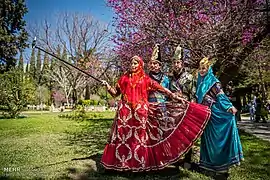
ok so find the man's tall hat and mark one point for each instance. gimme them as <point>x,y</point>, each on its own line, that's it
<point>156,54</point>
<point>178,54</point>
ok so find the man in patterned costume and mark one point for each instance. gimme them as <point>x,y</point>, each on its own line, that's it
<point>182,83</point>
<point>156,74</point>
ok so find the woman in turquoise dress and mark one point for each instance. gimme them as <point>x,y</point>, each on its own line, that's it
<point>220,142</point>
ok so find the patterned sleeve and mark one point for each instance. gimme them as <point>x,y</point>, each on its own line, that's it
<point>217,89</point>
<point>221,98</point>
<point>193,89</point>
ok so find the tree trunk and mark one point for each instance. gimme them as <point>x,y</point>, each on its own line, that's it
<point>67,102</point>
<point>245,100</point>
<point>74,96</point>
<point>87,92</point>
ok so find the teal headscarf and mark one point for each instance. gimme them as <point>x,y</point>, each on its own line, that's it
<point>205,84</point>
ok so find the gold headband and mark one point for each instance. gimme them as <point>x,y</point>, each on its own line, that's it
<point>205,61</point>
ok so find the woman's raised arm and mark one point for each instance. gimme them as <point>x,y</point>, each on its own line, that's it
<point>114,91</point>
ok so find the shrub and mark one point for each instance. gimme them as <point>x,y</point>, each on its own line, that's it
<point>78,114</point>
<point>17,90</point>
<point>86,102</point>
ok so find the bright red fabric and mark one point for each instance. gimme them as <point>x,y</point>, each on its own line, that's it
<point>150,136</point>
<point>134,87</point>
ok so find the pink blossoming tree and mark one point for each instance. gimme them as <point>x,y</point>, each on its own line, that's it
<point>227,30</point>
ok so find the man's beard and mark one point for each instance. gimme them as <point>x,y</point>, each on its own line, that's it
<point>177,72</point>
<point>155,72</point>
<point>157,76</point>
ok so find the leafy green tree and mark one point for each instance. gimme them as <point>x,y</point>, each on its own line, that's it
<point>38,68</point>
<point>20,65</point>
<point>64,54</point>
<point>27,68</point>
<point>13,35</point>
<point>53,67</point>
<point>45,70</point>
<point>16,92</point>
<point>42,95</point>
<point>32,68</point>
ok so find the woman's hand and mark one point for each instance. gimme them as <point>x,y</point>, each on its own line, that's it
<point>113,91</point>
<point>105,83</point>
<point>175,96</point>
<point>233,110</point>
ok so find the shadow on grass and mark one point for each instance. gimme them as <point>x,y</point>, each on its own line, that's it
<point>255,125</point>
<point>92,136</point>
<point>8,117</point>
<point>6,177</point>
<point>14,178</point>
<point>96,171</point>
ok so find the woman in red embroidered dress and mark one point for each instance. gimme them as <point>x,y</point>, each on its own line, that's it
<point>143,137</point>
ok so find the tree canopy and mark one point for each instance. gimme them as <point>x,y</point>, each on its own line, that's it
<point>225,30</point>
<point>13,35</point>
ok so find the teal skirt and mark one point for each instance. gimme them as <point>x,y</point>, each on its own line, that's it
<point>220,142</point>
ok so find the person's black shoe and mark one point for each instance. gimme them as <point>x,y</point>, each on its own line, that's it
<point>195,167</point>
<point>179,163</point>
<point>222,176</point>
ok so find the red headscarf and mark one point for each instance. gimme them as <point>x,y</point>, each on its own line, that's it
<point>139,72</point>
<point>134,85</point>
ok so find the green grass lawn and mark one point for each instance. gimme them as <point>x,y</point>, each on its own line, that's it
<point>44,146</point>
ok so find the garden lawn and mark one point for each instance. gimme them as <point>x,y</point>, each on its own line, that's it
<point>44,146</point>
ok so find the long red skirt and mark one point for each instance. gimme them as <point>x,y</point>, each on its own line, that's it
<point>152,136</point>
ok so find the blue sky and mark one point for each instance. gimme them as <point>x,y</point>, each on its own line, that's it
<point>39,10</point>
